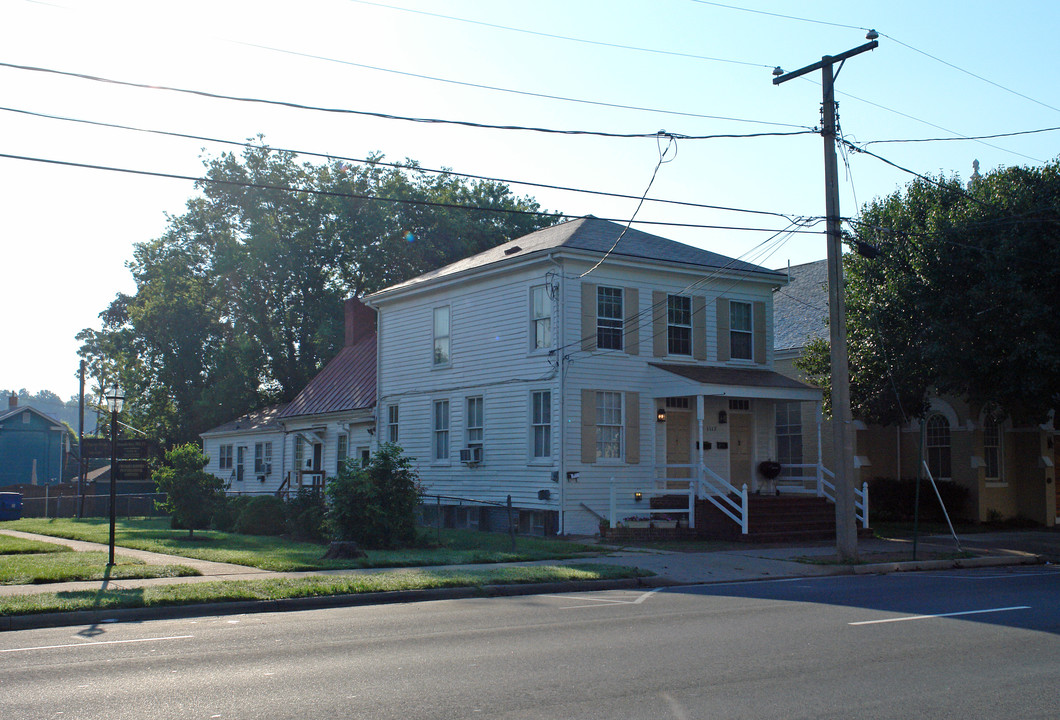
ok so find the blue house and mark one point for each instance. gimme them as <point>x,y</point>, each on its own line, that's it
<point>31,446</point>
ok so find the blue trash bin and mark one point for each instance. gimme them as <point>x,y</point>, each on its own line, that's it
<point>10,506</point>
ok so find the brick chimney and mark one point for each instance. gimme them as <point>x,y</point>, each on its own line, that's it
<point>12,402</point>
<point>360,320</point>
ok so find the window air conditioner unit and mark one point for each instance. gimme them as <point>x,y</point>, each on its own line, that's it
<point>471,455</point>
<point>268,468</point>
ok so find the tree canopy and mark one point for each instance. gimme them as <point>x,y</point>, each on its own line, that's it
<point>962,299</point>
<point>239,303</point>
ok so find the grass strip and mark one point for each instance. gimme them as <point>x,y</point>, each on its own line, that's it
<point>315,586</point>
<point>457,547</point>
<point>70,566</point>
<point>10,545</point>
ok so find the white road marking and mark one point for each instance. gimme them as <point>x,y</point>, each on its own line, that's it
<point>940,615</point>
<point>101,642</point>
<point>609,601</point>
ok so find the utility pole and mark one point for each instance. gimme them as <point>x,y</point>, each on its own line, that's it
<point>846,533</point>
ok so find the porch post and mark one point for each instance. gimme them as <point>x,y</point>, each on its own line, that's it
<point>820,458</point>
<point>699,422</point>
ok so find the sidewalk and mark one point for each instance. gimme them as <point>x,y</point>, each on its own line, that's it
<point>745,564</point>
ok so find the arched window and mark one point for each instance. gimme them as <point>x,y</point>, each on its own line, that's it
<point>938,447</point>
<point>992,448</point>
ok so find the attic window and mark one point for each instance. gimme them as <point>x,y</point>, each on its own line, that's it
<point>512,250</point>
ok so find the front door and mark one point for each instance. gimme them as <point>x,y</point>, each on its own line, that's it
<point>678,447</point>
<point>241,454</point>
<point>741,448</point>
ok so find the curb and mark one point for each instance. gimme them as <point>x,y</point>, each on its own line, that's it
<point>240,607</point>
<point>953,564</point>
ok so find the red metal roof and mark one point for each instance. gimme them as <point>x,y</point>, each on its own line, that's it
<point>345,383</point>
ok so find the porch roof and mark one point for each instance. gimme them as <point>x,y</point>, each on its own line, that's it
<point>674,380</point>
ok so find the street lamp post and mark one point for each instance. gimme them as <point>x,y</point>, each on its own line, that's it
<point>115,399</point>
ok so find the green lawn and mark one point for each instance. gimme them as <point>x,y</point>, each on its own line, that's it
<point>67,566</point>
<point>280,588</point>
<point>17,546</point>
<point>279,554</point>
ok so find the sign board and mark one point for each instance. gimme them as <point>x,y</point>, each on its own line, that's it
<point>95,448</point>
<point>133,470</point>
<point>133,448</point>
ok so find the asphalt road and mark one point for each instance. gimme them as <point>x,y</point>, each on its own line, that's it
<point>957,644</point>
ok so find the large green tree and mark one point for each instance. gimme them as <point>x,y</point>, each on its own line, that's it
<point>239,303</point>
<point>962,299</point>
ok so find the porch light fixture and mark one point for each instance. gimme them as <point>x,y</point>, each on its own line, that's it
<point>638,496</point>
<point>660,414</point>
<point>723,417</point>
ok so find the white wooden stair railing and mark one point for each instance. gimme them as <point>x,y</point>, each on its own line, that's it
<point>826,489</point>
<point>719,492</point>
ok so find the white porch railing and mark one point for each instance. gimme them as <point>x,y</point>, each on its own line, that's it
<point>706,484</point>
<point>826,489</point>
<point>690,510</point>
<point>719,492</point>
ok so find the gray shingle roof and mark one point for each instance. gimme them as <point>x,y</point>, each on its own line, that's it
<point>264,419</point>
<point>800,308</point>
<point>593,235</point>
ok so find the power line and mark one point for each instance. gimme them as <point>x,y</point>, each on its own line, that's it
<point>967,137</point>
<point>889,37</point>
<point>779,15</point>
<point>930,124</point>
<point>972,74</point>
<point>397,166</point>
<point>925,178</point>
<point>359,196</point>
<point>387,116</point>
<point>599,43</point>
<point>517,92</point>
<point>640,203</point>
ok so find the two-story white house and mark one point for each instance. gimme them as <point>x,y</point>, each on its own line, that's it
<point>579,370</point>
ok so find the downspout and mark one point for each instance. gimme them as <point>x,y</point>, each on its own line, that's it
<point>557,336</point>
<point>376,438</point>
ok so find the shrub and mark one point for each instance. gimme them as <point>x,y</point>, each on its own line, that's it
<point>227,512</point>
<point>375,506</point>
<point>192,494</point>
<point>895,500</point>
<point>305,516</point>
<point>263,515</point>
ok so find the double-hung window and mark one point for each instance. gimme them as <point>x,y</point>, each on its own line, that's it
<point>992,449</point>
<point>609,425</point>
<point>741,338</point>
<point>540,318</point>
<point>789,436</point>
<point>938,447</point>
<point>441,336</point>
<point>541,423</point>
<point>224,460</point>
<point>441,430</point>
<point>678,325</point>
<point>262,458</point>
<point>609,318</point>
<point>474,425</point>
<point>392,424</point>
<point>342,449</point>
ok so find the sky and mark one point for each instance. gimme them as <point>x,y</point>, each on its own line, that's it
<point>689,68</point>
